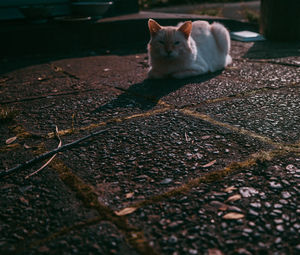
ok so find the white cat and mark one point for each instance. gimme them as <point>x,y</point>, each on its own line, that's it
<point>190,49</point>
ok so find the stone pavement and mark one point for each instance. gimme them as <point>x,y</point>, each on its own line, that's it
<point>207,165</point>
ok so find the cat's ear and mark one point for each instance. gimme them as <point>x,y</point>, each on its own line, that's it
<point>154,27</point>
<point>186,29</point>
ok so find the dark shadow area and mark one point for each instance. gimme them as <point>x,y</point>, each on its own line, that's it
<point>11,63</point>
<point>25,44</point>
<point>146,95</point>
<point>269,50</point>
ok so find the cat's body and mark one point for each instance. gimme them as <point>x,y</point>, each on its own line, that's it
<point>190,49</point>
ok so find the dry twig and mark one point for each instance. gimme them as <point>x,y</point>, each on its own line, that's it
<point>48,162</point>
<point>48,154</point>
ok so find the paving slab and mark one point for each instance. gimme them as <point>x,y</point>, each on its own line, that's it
<point>129,73</point>
<point>36,80</point>
<point>288,52</point>
<point>100,238</point>
<point>274,114</point>
<point>79,109</point>
<point>148,156</point>
<point>170,150</point>
<point>267,198</point>
<point>32,209</point>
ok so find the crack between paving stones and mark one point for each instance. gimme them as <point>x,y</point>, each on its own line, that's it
<point>21,133</point>
<point>61,232</point>
<point>133,236</point>
<point>111,121</point>
<point>86,193</point>
<point>265,61</point>
<point>59,69</point>
<point>281,146</point>
<point>239,95</point>
<point>238,130</point>
<point>51,95</point>
<point>217,175</point>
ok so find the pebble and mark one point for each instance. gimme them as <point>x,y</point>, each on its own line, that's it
<point>234,209</point>
<point>255,205</point>
<point>251,224</point>
<point>277,211</point>
<point>278,240</point>
<point>291,168</point>
<point>248,191</point>
<point>268,226</point>
<point>296,226</point>
<point>224,225</point>
<point>247,230</point>
<point>193,251</point>
<point>283,201</point>
<point>275,185</point>
<point>285,182</point>
<point>175,224</point>
<point>285,217</point>
<point>278,206</point>
<point>278,221</point>
<point>166,181</point>
<point>172,239</point>
<point>280,228</point>
<point>268,204</point>
<point>253,213</point>
<point>285,194</point>
<point>243,251</point>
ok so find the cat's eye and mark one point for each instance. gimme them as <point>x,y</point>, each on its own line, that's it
<point>176,43</point>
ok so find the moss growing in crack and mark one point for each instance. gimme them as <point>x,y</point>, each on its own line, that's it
<point>88,196</point>
<point>7,115</point>
<point>256,159</point>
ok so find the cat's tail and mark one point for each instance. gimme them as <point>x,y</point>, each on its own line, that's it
<point>222,37</point>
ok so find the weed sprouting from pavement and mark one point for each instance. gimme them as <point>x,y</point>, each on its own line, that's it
<point>7,115</point>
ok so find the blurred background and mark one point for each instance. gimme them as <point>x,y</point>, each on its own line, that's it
<point>47,9</point>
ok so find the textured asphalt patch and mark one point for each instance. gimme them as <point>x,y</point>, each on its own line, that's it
<point>32,209</point>
<point>78,110</point>
<point>100,238</point>
<point>193,223</point>
<point>147,156</point>
<point>274,114</point>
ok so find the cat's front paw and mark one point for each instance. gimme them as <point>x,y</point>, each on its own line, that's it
<point>185,74</point>
<point>154,75</point>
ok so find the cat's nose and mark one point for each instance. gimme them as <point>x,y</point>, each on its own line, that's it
<point>169,52</point>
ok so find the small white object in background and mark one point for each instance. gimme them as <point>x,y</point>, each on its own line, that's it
<point>246,36</point>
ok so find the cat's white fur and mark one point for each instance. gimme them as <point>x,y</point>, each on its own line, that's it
<point>189,49</point>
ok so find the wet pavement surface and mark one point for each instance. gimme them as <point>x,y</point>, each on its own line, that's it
<point>207,165</point>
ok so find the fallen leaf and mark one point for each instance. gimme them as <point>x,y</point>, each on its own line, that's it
<point>215,251</point>
<point>126,211</point>
<point>205,137</point>
<point>223,207</point>
<point>57,69</point>
<point>233,216</point>
<point>187,138</point>
<point>209,164</point>
<point>129,195</point>
<point>230,189</point>
<point>11,140</point>
<point>26,146</point>
<point>24,200</point>
<point>234,198</point>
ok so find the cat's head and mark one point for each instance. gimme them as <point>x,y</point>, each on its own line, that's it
<point>169,42</point>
